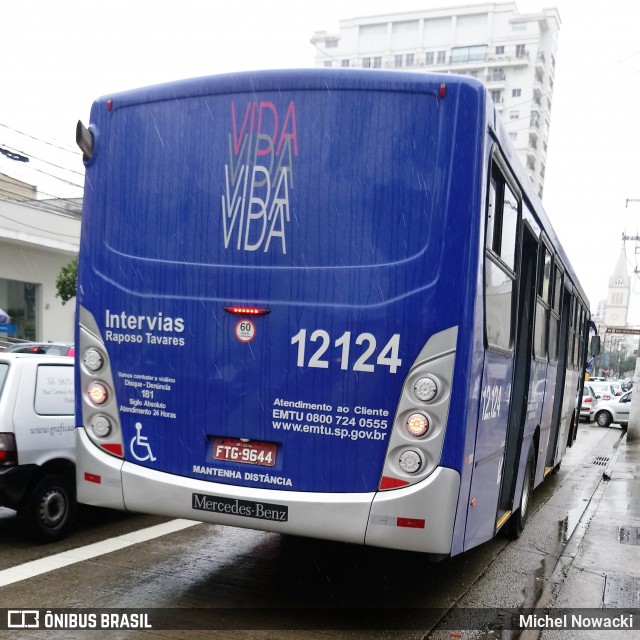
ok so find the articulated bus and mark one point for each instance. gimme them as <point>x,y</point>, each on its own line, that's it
<point>325,303</point>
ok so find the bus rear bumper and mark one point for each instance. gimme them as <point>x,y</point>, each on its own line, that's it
<point>418,518</point>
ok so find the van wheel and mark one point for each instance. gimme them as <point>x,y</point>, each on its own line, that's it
<point>49,512</point>
<point>520,517</point>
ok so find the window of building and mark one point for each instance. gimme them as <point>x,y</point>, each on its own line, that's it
<point>469,54</point>
<point>345,63</point>
<point>500,50</point>
<point>430,57</point>
<point>442,57</point>
<point>377,62</point>
<point>496,96</point>
<point>410,59</point>
<point>513,136</point>
<point>328,63</point>
<point>519,26</point>
<point>20,301</point>
<point>496,75</point>
<point>514,115</point>
<point>516,93</point>
<point>366,63</point>
<point>397,61</point>
<point>331,43</point>
<point>521,51</point>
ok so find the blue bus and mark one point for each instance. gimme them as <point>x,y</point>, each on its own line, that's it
<point>321,302</point>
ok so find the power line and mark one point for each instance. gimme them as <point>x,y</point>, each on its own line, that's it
<point>34,157</point>
<point>51,144</point>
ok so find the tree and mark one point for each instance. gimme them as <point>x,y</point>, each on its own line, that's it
<point>67,281</point>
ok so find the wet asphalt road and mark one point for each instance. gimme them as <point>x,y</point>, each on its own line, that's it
<point>206,566</point>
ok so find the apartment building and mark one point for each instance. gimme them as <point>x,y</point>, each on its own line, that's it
<point>514,54</point>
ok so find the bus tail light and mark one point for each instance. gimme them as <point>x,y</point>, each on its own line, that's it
<point>247,311</point>
<point>417,424</point>
<point>411,461</point>
<point>100,408</point>
<point>97,393</point>
<point>415,442</point>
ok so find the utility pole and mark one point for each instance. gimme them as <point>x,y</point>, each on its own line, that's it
<point>633,429</point>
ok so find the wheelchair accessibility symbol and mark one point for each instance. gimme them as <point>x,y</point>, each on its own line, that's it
<point>140,447</point>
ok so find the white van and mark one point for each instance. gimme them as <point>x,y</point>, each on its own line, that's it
<point>37,442</point>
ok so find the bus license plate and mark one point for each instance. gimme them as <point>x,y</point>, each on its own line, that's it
<point>233,450</point>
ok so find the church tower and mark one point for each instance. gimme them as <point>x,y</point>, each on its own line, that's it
<point>619,292</point>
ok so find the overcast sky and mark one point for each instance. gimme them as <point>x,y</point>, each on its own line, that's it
<point>56,57</point>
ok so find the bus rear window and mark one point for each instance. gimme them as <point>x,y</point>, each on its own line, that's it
<point>298,180</point>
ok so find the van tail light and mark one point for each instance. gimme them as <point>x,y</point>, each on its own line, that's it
<point>8,450</point>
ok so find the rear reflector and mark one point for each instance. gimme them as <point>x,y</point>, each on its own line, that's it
<point>115,449</point>
<point>411,523</point>
<point>92,477</point>
<point>247,311</point>
<point>388,482</point>
<point>397,521</point>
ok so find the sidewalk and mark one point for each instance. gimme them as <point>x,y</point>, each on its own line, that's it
<point>601,567</point>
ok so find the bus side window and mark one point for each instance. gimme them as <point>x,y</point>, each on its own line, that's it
<point>543,301</point>
<point>554,316</point>
<point>500,251</point>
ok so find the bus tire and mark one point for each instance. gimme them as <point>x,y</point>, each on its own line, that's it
<point>49,511</point>
<point>519,518</point>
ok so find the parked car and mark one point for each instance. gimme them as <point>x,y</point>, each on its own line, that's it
<point>40,348</point>
<point>617,388</point>
<point>597,379</point>
<point>603,390</point>
<point>37,442</point>
<point>614,410</point>
<point>588,403</point>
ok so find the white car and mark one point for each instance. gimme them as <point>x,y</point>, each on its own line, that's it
<point>603,390</point>
<point>588,404</point>
<point>37,442</point>
<point>614,410</point>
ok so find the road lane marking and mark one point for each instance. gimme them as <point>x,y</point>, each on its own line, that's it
<point>65,558</point>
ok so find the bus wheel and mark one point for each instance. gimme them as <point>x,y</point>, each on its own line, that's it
<point>520,517</point>
<point>49,511</point>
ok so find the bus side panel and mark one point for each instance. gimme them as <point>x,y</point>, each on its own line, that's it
<point>568,410</point>
<point>535,410</point>
<point>490,446</point>
<point>545,422</point>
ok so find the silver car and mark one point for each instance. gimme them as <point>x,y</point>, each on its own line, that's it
<point>588,404</point>
<point>614,410</point>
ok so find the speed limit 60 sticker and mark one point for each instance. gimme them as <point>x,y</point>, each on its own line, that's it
<point>245,331</point>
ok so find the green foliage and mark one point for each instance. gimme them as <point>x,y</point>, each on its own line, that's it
<point>67,281</point>
<point>628,366</point>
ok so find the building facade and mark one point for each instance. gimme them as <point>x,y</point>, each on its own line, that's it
<point>513,54</point>
<point>37,239</point>
<point>619,292</point>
